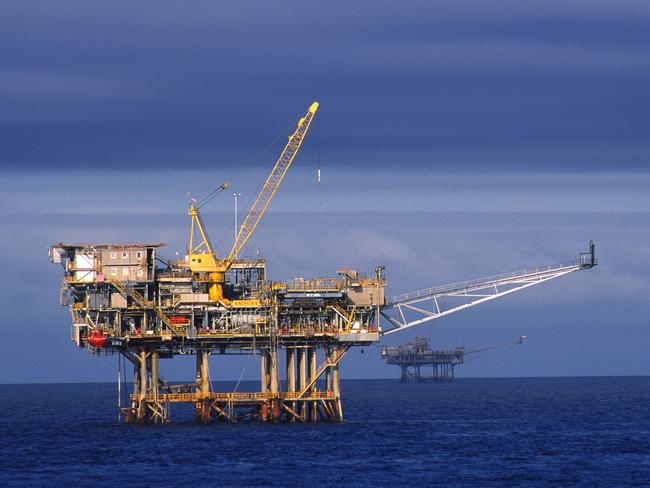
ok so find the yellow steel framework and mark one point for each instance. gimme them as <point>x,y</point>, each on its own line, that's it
<point>271,184</point>
<point>202,257</point>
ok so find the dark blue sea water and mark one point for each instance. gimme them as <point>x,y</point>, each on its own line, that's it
<point>475,432</point>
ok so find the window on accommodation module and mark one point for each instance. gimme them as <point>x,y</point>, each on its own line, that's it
<point>125,271</point>
<point>113,255</point>
<point>113,271</point>
<point>138,254</point>
<point>125,255</point>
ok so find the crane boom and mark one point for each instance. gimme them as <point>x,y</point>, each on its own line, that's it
<point>418,307</point>
<point>271,185</point>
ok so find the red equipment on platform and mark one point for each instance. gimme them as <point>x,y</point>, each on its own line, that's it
<point>96,338</point>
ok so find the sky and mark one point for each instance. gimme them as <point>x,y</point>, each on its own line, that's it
<point>455,140</point>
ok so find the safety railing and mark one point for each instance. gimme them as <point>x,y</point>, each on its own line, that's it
<point>486,281</point>
<point>125,291</point>
<point>313,284</point>
<point>237,396</point>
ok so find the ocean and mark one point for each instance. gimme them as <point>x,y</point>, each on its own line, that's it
<point>474,432</point>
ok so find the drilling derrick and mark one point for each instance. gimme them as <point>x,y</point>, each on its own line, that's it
<point>125,299</point>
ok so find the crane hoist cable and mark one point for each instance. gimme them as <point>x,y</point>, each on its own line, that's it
<point>320,190</point>
<point>212,194</point>
<point>485,351</point>
<point>271,184</point>
<point>201,255</point>
<point>229,230</point>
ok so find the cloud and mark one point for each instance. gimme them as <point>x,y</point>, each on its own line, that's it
<point>459,86</point>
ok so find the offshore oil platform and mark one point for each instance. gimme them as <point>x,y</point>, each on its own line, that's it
<point>414,356</point>
<point>126,299</point>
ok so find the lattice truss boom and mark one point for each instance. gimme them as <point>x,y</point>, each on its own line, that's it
<point>415,308</point>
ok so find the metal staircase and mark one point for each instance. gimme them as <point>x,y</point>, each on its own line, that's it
<point>326,364</point>
<point>130,292</point>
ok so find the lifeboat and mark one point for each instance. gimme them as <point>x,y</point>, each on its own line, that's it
<point>96,338</point>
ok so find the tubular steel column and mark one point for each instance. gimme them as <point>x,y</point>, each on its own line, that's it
<point>329,354</point>
<point>197,381</point>
<point>264,374</point>
<point>142,388</point>
<point>302,379</point>
<point>205,373</point>
<point>313,405</point>
<point>291,375</point>
<point>130,415</point>
<point>336,387</point>
<point>203,387</point>
<point>275,385</point>
<point>154,375</point>
<point>329,406</point>
<point>161,414</point>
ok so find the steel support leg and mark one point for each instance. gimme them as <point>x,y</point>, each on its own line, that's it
<point>313,405</point>
<point>202,407</point>
<point>336,388</point>
<point>276,411</point>
<point>265,380</point>
<point>302,379</point>
<point>291,375</point>
<point>142,388</point>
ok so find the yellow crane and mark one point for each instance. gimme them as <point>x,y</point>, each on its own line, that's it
<point>201,255</point>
